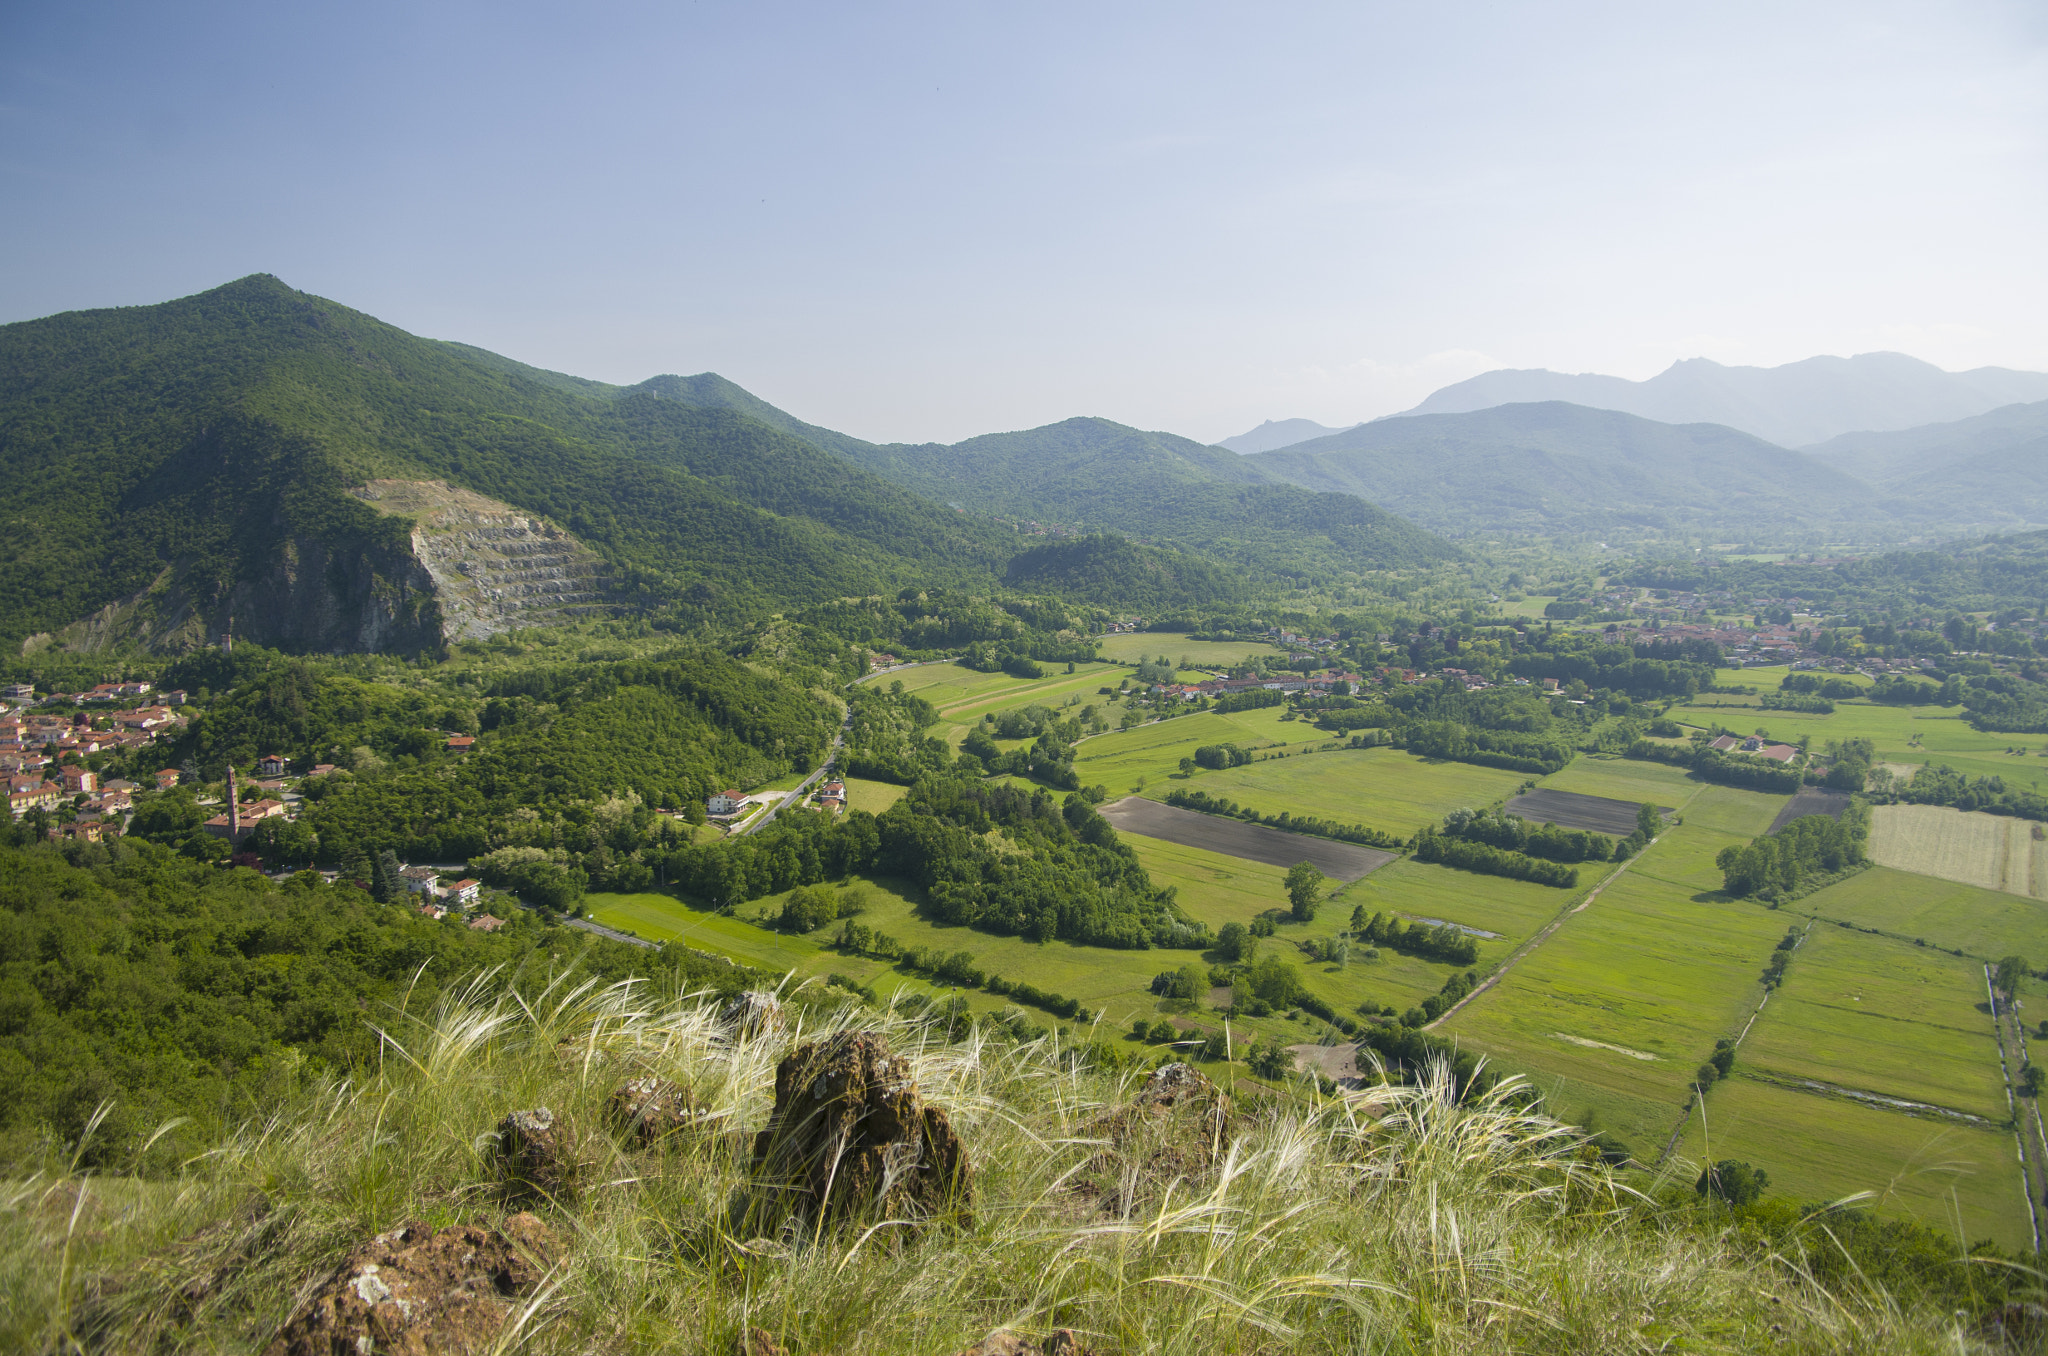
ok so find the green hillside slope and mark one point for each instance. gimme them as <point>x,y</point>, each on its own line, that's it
<point>1554,467</point>
<point>1094,475</point>
<point>204,448</point>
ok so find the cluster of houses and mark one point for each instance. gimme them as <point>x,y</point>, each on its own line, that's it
<point>1777,753</point>
<point>34,745</point>
<point>101,809</point>
<point>1289,682</point>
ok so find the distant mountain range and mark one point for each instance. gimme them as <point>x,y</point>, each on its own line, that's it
<point>1277,433</point>
<point>1793,405</point>
<point>1553,467</point>
<point>1796,405</point>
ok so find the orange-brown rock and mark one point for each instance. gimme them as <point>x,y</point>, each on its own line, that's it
<point>420,1291</point>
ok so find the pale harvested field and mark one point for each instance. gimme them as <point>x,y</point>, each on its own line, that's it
<point>1995,852</point>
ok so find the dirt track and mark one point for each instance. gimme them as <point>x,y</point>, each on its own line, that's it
<point>1235,838</point>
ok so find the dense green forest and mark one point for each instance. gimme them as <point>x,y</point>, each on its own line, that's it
<point>1110,571</point>
<point>1094,475</point>
<point>134,977</point>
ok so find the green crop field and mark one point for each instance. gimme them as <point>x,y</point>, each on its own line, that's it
<point>1513,908</point>
<point>1987,924</point>
<point>1960,1179</point>
<point>1384,788</point>
<point>1099,977</point>
<point>1217,889</point>
<point>1715,817</point>
<point>962,695</point>
<point>1125,759</point>
<point>1627,779</point>
<point>1876,1015</point>
<point>1627,998</point>
<point>1996,852</point>
<point>1130,647</point>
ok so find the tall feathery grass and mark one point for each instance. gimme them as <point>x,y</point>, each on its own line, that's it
<point>1399,1221</point>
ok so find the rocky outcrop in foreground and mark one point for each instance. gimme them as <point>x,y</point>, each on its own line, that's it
<point>420,1291</point>
<point>851,1137</point>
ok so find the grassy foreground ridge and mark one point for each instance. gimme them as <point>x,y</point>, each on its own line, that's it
<point>1412,1223</point>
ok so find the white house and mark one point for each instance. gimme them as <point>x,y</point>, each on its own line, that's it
<point>724,803</point>
<point>420,880</point>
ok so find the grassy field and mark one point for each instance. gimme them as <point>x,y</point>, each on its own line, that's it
<point>1715,817</point>
<point>1618,1008</point>
<point>1624,779</point>
<point>1219,890</point>
<point>964,696</point>
<point>1910,735</point>
<point>1384,788</point>
<point>1987,924</point>
<point>872,796</point>
<point>1882,1016</point>
<point>1957,1178</point>
<point>1094,975</point>
<point>1127,760</point>
<point>1130,647</point>
<point>1995,852</point>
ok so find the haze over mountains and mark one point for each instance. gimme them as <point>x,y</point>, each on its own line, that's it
<point>1795,405</point>
<point>1276,433</point>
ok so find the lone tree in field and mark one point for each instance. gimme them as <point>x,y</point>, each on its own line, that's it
<point>1733,1181</point>
<point>2011,971</point>
<point>1304,891</point>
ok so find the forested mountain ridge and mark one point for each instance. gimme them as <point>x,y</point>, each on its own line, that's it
<point>1557,467</point>
<point>1094,475</point>
<point>200,453</point>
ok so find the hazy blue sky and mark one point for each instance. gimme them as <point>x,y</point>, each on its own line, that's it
<point>929,221</point>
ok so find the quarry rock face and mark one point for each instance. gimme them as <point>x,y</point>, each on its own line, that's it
<point>851,1137</point>
<point>649,1110</point>
<point>535,1155</point>
<point>492,567</point>
<point>418,1291</point>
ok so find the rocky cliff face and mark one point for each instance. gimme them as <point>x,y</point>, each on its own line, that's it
<point>473,567</point>
<point>494,567</point>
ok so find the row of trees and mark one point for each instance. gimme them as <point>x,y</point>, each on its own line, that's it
<point>1442,848</point>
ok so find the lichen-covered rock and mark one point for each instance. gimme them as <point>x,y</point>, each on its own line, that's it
<point>851,1136</point>
<point>420,1291</point>
<point>1172,1085</point>
<point>535,1155</point>
<point>752,1013</point>
<point>1060,1342</point>
<point>649,1109</point>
